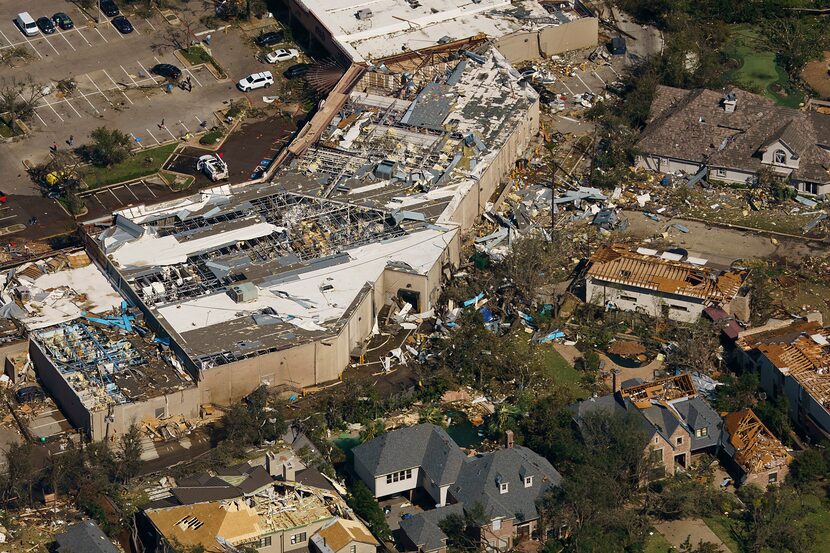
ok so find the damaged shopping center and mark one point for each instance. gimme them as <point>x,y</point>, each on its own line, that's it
<point>280,282</point>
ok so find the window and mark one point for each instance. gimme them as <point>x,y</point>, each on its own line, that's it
<point>629,298</point>
<point>779,157</point>
<point>720,172</point>
<point>352,549</point>
<point>679,307</point>
<point>159,412</point>
<point>528,481</point>
<point>497,524</point>
<point>503,487</point>
<point>772,478</point>
<point>264,542</point>
<point>656,440</point>
<point>298,538</point>
<point>680,440</point>
<point>811,188</point>
<point>657,455</point>
<point>399,476</point>
<point>702,432</point>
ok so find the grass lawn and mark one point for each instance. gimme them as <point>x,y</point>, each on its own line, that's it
<point>656,543</point>
<point>561,371</point>
<point>758,70</point>
<point>196,55</point>
<point>721,525</point>
<point>133,167</point>
<point>819,519</point>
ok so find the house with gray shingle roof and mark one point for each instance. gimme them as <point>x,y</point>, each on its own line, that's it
<point>680,425</point>
<point>734,136</point>
<point>503,485</point>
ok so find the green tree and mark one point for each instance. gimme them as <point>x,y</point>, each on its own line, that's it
<point>363,502</point>
<point>810,465</point>
<point>774,520</point>
<point>129,454</point>
<point>108,147</point>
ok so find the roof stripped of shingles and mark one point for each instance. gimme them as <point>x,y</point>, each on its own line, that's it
<point>620,265</point>
<point>807,359</point>
<point>756,448</point>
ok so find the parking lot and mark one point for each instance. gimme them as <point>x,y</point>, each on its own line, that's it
<point>113,86</point>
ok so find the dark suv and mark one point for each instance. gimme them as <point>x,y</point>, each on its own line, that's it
<point>269,39</point>
<point>109,8</point>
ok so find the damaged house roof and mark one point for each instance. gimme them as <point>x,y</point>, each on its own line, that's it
<point>619,264</point>
<point>692,125</point>
<point>755,448</point>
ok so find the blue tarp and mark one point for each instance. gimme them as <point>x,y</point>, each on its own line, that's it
<point>556,334</point>
<point>486,314</point>
<point>473,301</point>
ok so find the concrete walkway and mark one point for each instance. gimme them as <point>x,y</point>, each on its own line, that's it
<point>677,531</point>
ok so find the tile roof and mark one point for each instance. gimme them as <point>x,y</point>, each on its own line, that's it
<point>692,125</point>
<point>424,445</point>
<point>202,523</point>
<point>617,263</point>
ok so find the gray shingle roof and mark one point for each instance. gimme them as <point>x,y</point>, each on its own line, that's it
<point>692,125</point>
<point>481,478</point>
<point>423,530</point>
<point>84,537</point>
<point>424,445</point>
<point>697,414</point>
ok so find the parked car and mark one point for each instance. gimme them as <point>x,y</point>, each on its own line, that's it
<point>296,70</point>
<point>546,97</point>
<point>3,197</point>
<point>213,166</point>
<point>26,24</point>
<point>283,54</point>
<point>122,24</point>
<point>109,8</point>
<point>45,25</point>
<point>617,87</point>
<point>166,70</point>
<point>255,81</point>
<point>28,394</point>
<point>63,21</point>
<point>269,39</point>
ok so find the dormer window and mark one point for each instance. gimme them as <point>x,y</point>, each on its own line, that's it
<point>779,157</point>
<point>503,487</point>
<point>528,481</point>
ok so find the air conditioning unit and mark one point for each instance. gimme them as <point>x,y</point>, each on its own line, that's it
<point>243,293</point>
<point>364,14</point>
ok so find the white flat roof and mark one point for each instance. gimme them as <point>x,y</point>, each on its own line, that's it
<point>395,26</point>
<point>420,250</point>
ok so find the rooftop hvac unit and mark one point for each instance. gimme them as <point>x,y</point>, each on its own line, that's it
<point>243,293</point>
<point>364,14</point>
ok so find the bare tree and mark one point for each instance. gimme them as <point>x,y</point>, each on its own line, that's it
<point>19,97</point>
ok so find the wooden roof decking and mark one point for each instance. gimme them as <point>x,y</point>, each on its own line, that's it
<point>756,448</point>
<point>663,389</point>
<point>620,265</point>
<point>806,360</point>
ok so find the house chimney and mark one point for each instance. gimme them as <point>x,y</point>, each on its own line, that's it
<point>288,472</point>
<point>271,464</point>
<point>730,102</point>
<point>508,438</point>
<point>615,381</point>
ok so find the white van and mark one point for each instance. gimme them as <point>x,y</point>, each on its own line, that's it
<point>26,24</point>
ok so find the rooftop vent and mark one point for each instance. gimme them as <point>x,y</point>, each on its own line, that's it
<point>243,293</point>
<point>364,14</point>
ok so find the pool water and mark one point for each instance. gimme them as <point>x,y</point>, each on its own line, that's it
<point>462,431</point>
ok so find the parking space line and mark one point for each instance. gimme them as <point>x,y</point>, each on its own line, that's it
<point>33,46</point>
<point>183,125</point>
<point>41,119</point>
<point>102,36</point>
<point>78,113</point>
<point>137,140</point>
<point>44,103</point>
<point>115,84</point>
<point>127,74</point>
<point>583,82</point>
<point>569,88</point>
<point>11,44</point>
<point>146,72</point>
<point>129,189</point>
<point>99,89</point>
<point>136,29</point>
<point>154,136</point>
<point>52,46</point>
<point>84,96</point>
<point>150,24</point>
<point>173,136</point>
<point>199,120</point>
<point>194,77</point>
<point>598,77</point>
<point>7,217</point>
<point>614,70</point>
<point>99,200</point>
<point>114,196</point>
<point>117,32</point>
<point>150,190</point>
<point>83,37</point>
<point>67,41</point>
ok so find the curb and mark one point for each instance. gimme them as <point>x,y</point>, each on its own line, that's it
<point>91,191</point>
